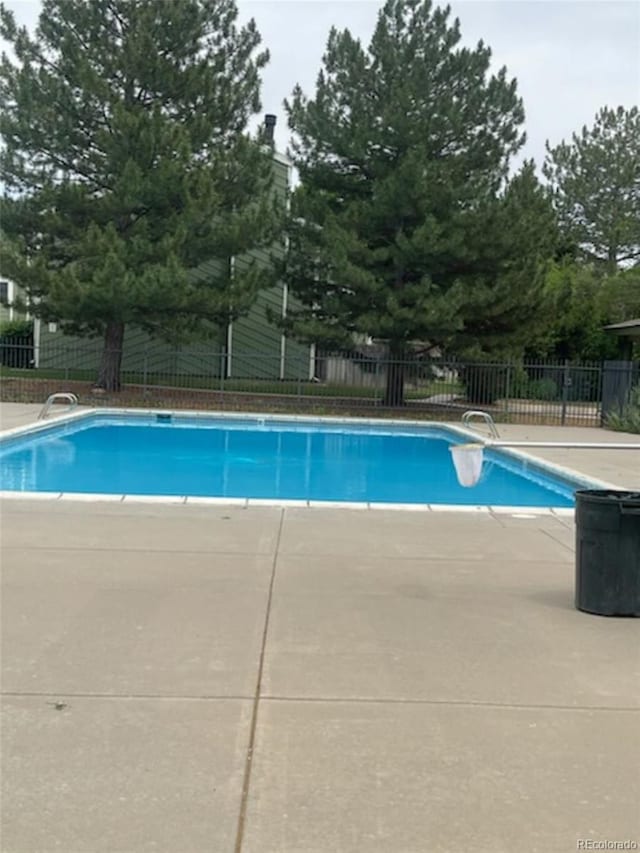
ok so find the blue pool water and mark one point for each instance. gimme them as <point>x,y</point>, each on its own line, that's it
<point>152,455</point>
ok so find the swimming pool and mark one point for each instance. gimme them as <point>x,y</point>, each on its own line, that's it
<point>267,458</point>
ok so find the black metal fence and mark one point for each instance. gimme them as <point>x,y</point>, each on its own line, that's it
<point>16,351</point>
<point>362,382</point>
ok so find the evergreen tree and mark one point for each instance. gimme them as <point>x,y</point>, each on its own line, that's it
<point>596,185</point>
<point>511,299</point>
<point>127,166</point>
<point>403,226</point>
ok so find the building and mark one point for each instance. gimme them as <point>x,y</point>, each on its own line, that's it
<point>9,293</point>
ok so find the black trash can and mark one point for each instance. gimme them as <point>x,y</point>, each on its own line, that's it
<point>608,552</point>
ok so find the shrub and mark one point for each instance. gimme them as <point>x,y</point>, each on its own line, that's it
<point>484,383</point>
<point>519,382</point>
<point>16,344</point>
<point>629,418</point>
<point>542,389</point>
<point>16,329</point>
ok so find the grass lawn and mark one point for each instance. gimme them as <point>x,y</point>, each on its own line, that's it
<point>293,387</point>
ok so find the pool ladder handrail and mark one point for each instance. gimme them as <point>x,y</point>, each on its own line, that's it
<point>485,416</point>
<point>71,399</point>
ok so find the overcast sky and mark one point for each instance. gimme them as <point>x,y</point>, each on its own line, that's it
<point>570,57</point>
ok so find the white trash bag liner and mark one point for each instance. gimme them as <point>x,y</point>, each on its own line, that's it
<point>467,459</point>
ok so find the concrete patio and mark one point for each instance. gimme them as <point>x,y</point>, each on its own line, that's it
<point>211,679</point>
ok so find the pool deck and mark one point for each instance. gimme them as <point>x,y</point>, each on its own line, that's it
<point>213,679</point>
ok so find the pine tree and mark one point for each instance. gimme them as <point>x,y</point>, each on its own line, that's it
<point>127,165</point>
<point>513,301</point>
<point>595,181</point>
<point>401,228</point>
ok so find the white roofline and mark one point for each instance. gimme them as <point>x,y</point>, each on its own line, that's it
<point>282,158</point>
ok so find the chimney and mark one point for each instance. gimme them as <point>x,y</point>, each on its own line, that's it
<point>269,126</point>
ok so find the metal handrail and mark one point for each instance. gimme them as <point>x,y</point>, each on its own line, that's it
<point>485,416</point>
<point>71,399</point>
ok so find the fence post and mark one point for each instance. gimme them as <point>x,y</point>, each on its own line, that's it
<point>566,383</point>
<point>223,369</point>
<point>507,390</point>
<point>145,371</point>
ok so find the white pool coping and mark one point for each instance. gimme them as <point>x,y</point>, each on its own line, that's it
<point>194,500</point>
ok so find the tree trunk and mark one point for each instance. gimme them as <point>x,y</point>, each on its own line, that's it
<point>394,391</point>
<point>111,361</point>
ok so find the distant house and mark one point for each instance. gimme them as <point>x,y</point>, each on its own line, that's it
<point>9,292</point>
<point>620,377</point>
<point>16,335</point>
<point>251,347</point>
<point>627,332</point>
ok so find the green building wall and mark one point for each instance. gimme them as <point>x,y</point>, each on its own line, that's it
<point>7,312</point>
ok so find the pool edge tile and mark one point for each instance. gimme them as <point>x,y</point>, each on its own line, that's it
<point>564,511</point>
<point>91,497</point>
<point>338,505</point>
<point>291,503</point>
<point>203,501</point>
<point>30,496</point>
<point>459,508</point>
<point>154,499</point>
<point>401,506</point>
<point>520,510</point>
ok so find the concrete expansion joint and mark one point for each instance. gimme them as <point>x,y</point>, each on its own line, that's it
<point>256,699</point>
